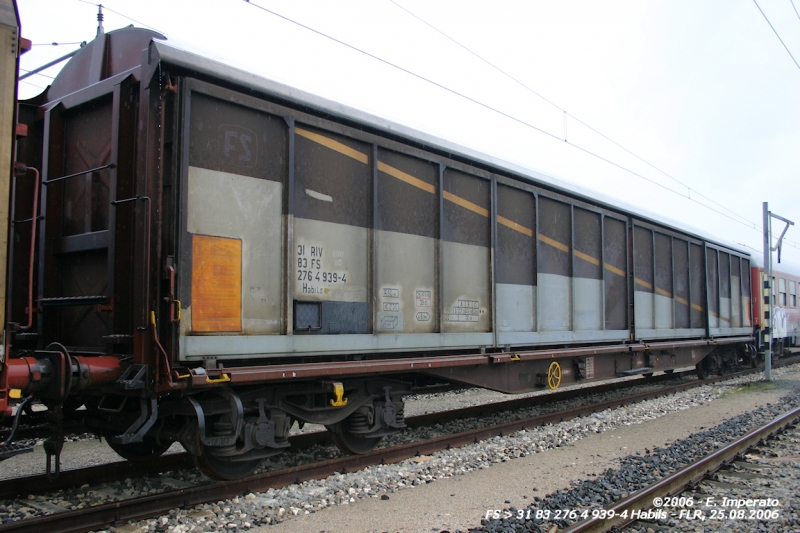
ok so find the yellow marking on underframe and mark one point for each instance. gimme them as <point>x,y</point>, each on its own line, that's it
<point>587,257</point>
<point>338,392</point>
<point>513,225</point>
<point>681,300</point>
<point>327,142</point>
<point>697,307</point>
<point>408,178</point>
<point>662,292</point>
<point>466,204</point>
<point>643,283</point>
<point>615,270</point>
<point>554,243</point>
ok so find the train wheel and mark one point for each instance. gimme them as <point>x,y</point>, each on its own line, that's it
<point>554,375</point>
<point>349,442</point>
<point>703,370</point>
<point>140,451</point>
<point>217,467</point>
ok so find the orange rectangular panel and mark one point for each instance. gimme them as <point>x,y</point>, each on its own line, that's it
<point>216,284</point>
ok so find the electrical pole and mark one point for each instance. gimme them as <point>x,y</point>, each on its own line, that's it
<point>768,289</point>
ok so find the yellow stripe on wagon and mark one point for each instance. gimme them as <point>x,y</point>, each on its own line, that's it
<point>466,204</point>
<point>615,270</point>
<point>662,292</point>
<point>554,243</point>
<point>408,178</point>
<point>334,145</point>
<point>586,257</point>
<point>513,225</point>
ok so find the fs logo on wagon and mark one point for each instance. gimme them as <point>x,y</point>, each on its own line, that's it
<point>237,146</point>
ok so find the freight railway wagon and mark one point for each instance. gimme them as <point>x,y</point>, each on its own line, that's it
<point>208,256</point>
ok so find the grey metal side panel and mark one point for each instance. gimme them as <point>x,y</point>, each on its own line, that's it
<point>736,302</point>
<point>554,302</point>
<point>646,334</point>
<point>259,346</point>
<point>550,337</point>
<point>588,304</point>
<point>325,253</point>
<point>643,309</point>
<point>729,332</point>
<point>467,295</point>
<point>516,307</point>
<point>747,309</point>
<point>406,275</point>
<point>228,205</point>
<point>725,313</point>
<point>663,312</point>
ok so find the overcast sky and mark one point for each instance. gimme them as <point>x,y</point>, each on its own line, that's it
<point>704,91</point>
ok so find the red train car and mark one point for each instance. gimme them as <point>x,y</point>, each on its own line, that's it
<point>786,306</point>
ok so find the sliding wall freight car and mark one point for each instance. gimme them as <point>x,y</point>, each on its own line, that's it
<point>216,256</point>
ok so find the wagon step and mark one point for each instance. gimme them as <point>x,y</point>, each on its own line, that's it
<point>634,371</point>
<point>65,301</point>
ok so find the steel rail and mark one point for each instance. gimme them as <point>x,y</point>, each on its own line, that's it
<point>675,483</point>
<point>43,431</point>
<point>99,516</point>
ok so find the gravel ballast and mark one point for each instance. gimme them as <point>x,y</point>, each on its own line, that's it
<point>638,471</point>
<point>570,451</point>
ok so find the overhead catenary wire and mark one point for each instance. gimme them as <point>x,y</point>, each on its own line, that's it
<point>31,83</point>
<point>795,9</point>
<point>747,224</point>
<point>37,73</point>
<point>566,113</point>
<point>776,32</point>
<point>466,97</point>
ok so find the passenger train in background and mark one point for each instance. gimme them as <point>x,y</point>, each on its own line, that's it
<point>200,255</point>
<point>785,310</point>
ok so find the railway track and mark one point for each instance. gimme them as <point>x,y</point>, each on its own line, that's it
<point>624,512</point>
<point>153,505</point>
